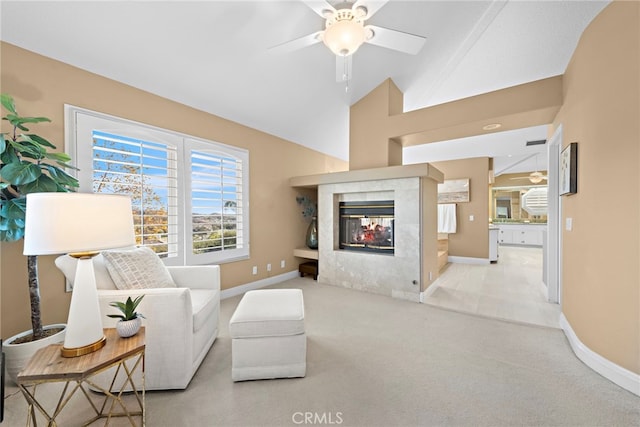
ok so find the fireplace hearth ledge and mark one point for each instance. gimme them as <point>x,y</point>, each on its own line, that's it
<point>423,170</point>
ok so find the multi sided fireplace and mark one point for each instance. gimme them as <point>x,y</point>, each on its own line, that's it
<point>367,226</point>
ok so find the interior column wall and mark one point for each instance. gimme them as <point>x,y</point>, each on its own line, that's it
<point>600,273</point>
<point>369,145</point>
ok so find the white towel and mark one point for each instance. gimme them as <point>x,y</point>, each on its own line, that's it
<point>447,218</point>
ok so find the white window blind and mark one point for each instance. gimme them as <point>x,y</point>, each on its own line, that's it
<point>147,171</point>
<point>189,196</point>
<point>217,201</point>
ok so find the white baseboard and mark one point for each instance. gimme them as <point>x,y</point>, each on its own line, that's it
<point>468,260</point>
<point>239,290</point>
<point>430,290</point>
<point>615,373</point>
<point>545,291</point>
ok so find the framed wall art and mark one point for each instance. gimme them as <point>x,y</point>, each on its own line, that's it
<point>453,191</point>
<point>569,170</point>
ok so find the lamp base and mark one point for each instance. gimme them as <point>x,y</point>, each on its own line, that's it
<point>86,349</point>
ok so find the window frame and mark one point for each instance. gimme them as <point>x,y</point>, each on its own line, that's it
<point>82,158</point>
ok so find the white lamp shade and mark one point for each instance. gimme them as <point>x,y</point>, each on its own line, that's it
<point>57,223</point>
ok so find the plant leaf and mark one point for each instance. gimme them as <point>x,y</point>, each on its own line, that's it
<point>9,156</point>
<point>20,173</point>
<point>116,316</point>
<point>118,305</point>
<point>61,177</point>
<point>44,184</point>
<point>67,166</point>
<point>20,121</point>
<point>7,103</point>
<point>11,235</point>
<point>7,224</point>
<point>58,157</point>
<point>40,140</point>
<point>28,148</point>
<point>14,209</point>
<point>127,308</point>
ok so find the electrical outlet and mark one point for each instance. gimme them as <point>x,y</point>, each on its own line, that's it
<point>255,270</point>
<point>430,276</point>
<point>268,267</point>
<point>471,218</point>
<point>282,264</point>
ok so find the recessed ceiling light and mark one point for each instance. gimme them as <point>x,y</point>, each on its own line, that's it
<point>492,126</point>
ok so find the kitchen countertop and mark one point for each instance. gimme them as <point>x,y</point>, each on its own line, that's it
<point>518,224</point>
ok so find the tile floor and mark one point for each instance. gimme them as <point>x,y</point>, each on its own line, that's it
<point>511,289</point>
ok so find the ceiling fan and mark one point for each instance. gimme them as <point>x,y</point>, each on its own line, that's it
<point>345,31</point>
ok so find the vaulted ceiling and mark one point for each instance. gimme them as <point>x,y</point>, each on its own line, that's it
<point>217,56</point>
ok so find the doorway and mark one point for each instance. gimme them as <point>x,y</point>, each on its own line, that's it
<point>525,284</point>
<point>553,244</point>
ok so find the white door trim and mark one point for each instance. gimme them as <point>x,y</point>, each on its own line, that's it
<point>554,219</point>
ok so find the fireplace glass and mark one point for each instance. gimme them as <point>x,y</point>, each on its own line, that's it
<point>367,226</point>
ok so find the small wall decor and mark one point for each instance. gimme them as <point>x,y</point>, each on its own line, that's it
<point>569,170</point>
<point>453,191</point>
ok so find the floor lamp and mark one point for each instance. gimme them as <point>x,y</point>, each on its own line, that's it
<point>81,225</point>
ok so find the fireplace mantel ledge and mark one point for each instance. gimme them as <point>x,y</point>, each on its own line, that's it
<point>424,170</point>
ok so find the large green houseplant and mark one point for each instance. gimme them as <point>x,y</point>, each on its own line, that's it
<point>27,166</point>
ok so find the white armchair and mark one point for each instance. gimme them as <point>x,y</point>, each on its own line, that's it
<point>181,323</point>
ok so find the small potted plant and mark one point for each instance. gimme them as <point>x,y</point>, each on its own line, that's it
<point>130,320</point>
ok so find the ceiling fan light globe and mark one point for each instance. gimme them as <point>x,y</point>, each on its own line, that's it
<point>536,177</point>
<point>344,36</point>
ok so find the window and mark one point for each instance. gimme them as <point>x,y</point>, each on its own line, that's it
<point>189,196</point>
<point>534,201</point>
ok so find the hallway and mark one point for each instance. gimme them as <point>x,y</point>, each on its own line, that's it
<point>511,289</point>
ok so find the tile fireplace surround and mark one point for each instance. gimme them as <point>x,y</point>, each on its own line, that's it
<point>401,275</point>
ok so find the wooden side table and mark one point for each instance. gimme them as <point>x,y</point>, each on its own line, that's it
<point>47,365</point>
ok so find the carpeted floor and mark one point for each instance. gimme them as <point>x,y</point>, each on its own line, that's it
<point>376,361</point>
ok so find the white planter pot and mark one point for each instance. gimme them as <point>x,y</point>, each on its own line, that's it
<point>17,355</point>
<point>128,328</point>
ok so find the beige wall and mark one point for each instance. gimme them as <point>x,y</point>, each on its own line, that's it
<point>600,268</point>
<point>42,86</point>
<point>369,142</point>
<point>472,237</point>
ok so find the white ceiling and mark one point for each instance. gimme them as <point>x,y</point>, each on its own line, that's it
<point>215,56</point>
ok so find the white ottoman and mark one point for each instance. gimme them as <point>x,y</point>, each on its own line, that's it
<point>268,339</point>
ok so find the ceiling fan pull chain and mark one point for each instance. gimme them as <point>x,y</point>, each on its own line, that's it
<point>345,74</point>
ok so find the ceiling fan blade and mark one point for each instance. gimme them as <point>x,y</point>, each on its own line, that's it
<point>343,68</point>
<point>372,6</point>
<point>320,7</point>
<point>396,40</point>
<point>298,43</point>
